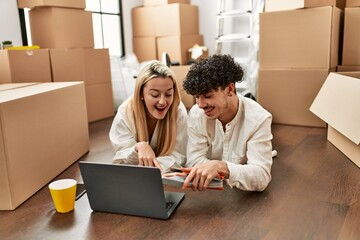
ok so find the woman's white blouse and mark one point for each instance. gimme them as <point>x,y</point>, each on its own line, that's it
<point>245,144</point>
<point>123,139</point>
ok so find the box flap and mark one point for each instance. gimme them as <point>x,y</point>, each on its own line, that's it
<point>7,86</point>
<point>22,92</point>
<point>338,104</point>
<point>280,5</point>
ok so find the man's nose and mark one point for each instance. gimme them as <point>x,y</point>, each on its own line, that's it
<point>201,102</point>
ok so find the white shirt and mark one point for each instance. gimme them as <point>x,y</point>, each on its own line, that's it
<point>245,144</point>
<point>123,138</point>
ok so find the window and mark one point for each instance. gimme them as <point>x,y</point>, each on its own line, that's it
<point>107,25</point>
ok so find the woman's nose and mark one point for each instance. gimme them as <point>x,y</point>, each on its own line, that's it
<point>162,99</point>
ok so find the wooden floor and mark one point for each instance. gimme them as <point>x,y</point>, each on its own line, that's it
<point>314,194</point>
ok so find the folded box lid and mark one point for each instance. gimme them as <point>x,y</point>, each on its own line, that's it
<point>338,104</point>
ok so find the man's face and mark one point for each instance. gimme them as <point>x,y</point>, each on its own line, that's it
<point>214,103</point>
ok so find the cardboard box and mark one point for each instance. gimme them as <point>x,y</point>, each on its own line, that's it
<point>44,130</point>
<point>81,64</point>
<point>143,22</point>
<point>288,93</point>
<point>351,46</point>
<point>53,27</point>
<point>305,38</point>
<point>352,3</point>
<point>145,48</point>
<point>280,5</point>
<point>342,68</point>
<point>176,19</point>
<point>81,4</point>
<point>180,73</point>
<point>21,66</point>
<point>99,101</point>
<point>177,46</point>
<point>164,2</point>
<point>338,104</point>
<point>8,86</point>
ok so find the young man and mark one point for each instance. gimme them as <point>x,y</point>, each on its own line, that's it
<point>228,134</point>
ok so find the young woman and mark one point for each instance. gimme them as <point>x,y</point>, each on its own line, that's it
<point>150,128</point>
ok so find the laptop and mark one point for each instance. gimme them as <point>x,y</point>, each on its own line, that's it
<point>128,189</point>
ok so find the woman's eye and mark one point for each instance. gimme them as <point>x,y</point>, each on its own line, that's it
<point>155,95</point>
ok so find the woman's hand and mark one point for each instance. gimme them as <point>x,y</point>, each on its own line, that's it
<point>146,155</point>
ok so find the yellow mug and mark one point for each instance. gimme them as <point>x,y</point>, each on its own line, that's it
<point>63,194</point>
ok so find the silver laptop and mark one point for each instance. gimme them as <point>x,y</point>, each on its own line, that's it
<point>128,189</point>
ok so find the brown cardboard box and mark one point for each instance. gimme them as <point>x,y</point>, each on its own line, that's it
<point>180,73</point>
<point>338,104</point>
<point>344,144</point>
<point>8,86</point>
<point>281,5</point>
<point>305,38</point>
<point>352,3</point>
<point>52,3</point>
<point>53,27</point>
<point>145,48</point>
<point>164,2</point>
<point>288,93</point>
<point>143,22</point>
<point>81,64</point>
<point>99,101</point>
<point>20,66</point>
<point>92,66</point>
<point>342,68</point>
<point>351,46</point>
<point>44,130</point>
<point>177,46</point>
<point>176,19</point>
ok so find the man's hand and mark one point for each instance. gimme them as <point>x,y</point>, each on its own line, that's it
<point>202,174</point>
<point>146,155</point>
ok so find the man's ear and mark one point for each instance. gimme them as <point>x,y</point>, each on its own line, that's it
<point>231,88</point>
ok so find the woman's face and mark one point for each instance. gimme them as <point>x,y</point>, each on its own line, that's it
<point>158,94</point>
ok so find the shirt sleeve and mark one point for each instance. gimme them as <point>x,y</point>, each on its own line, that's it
<point>255,174</point>
<point>177,158</point>
<point>122,137</point>
<point>198,142</point>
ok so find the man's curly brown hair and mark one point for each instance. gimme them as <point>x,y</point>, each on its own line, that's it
<point>211,73</point>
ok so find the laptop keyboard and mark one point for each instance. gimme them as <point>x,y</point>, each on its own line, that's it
<point>169,205</point>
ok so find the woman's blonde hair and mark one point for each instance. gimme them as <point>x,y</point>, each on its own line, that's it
<point>167,125</point>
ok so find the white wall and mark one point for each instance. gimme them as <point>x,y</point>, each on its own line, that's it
<point>207,22</point>
<point>10,23</point>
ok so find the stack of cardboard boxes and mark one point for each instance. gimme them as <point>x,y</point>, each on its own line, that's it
<point>338,102</point>
<point>64,32</point>
<point>298,48</point>
<point>299,54</point>
<point>47,97</point>
<point>351,46</point>
<point>170,26</point>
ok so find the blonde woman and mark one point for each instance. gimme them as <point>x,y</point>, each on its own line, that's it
<point>150,128</point>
